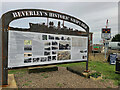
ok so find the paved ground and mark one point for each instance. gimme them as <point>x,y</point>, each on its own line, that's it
<point>59,79</point>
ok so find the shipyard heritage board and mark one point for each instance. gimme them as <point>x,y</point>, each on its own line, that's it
<point>31,48</point>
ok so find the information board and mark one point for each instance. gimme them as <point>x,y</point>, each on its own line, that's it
<point>31,48</point>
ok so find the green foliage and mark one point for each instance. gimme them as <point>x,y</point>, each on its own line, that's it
<point>95,75</point>
<point>116,38</point>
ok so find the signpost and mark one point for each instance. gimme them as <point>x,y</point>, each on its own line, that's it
<point>106,35</point>
<point>29,58</point>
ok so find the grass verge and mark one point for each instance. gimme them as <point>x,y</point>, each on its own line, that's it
<point>106,69</point>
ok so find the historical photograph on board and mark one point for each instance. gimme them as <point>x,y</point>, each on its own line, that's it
<point>27,42</point>
<point>64,45</point>
<point>44,37</point>
<point>47,43</point>
<point>63,55</point>
<point>27,54</point>
<point>47,48</point>
<point>46,53</point>
<point>28,60</point>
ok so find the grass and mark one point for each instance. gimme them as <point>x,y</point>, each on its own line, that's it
<point>44,75</point>
<point>26,84</point>
<point>30,81</point>
<point>106,69</point>
<point>21,71</point>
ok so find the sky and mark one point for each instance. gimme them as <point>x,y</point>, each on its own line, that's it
<point>94,13</point>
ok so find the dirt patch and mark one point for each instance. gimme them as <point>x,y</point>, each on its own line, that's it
<point>58,79</point>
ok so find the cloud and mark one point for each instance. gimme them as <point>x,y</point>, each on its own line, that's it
<point>94,14</point>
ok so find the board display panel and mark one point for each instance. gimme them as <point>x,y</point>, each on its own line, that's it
<point>31,48</point>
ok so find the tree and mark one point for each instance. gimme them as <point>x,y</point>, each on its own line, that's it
<point>116,38</point>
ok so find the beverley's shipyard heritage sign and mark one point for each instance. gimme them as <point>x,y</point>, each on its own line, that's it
<point>23,13</point>
<point>44,13</point>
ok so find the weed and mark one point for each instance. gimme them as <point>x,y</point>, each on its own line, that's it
<point>108,87</point>
<point>26,84</point>
<point>42,74</point>
<point>102,80</point>
<point>30,81</point>
<point>59,84</point>
<point>46,76</point>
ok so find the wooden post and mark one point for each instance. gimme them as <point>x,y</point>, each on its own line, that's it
<point>4,54</point>
<point>0,53</point>
<point>87,53</point>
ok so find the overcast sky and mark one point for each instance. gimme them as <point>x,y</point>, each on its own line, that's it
<point>94,14</point>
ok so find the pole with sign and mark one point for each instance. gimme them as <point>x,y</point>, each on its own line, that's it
<point>106,35</point>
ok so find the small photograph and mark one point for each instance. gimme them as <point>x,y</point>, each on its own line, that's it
<point>53,57</point>
<point>44,37</point>
<point>46,53</point>
<point>27,42</point>
<point>36,59</point>
<point>49,58</point>
<point>63,38</point>
<point>53,52</point>
<point>47,48</point>
<point>51,37</point>
<point>83,51</point>
<point>28,60</point>
<point>64,55</point>
<point>43,59</point>
<point>27,54</point>
<point>57,38</point>
<point>64,45</point>
<point>68,38</point>
<point>47,43</point>
<point>54,43</point>
<point>84,57</point>
<point>54,48</point>
<point>27,48</point>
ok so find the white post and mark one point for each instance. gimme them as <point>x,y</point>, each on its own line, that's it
<point>105,49</point>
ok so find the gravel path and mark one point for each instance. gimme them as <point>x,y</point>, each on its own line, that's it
<point>58,79</point>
